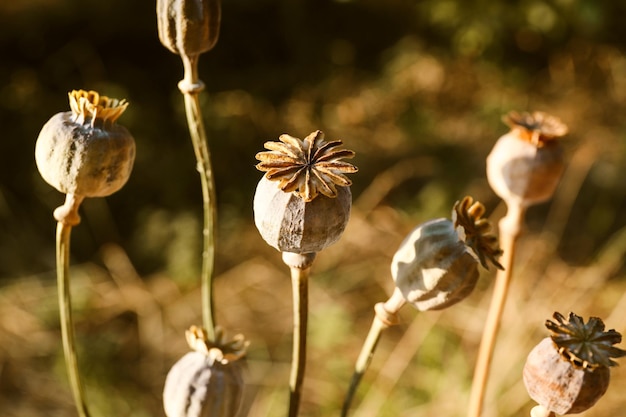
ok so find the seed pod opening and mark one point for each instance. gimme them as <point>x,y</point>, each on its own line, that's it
<point>84,151</point>
<point>302,204</point>
<point>568,372</point>
<point>436,265</point>
<point>526,164</point>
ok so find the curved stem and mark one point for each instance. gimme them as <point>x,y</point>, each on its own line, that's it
<point>65,312</point>
<point>385,317</point>
<point>191,86</point>
<point>509,227</point>
<point>300,292</point>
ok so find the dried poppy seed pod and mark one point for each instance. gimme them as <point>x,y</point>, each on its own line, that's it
<point>525,165</point>
<point>207,381</point>
<point>436,265</point>
<point>302,204</point>
<point>568,372</point>
<point>188,27</point>
<point>84,152</point>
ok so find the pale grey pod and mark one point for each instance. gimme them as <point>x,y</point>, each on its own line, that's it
<point>523,173</point>
<point>198,386</point>
<point>84,159</point>
<point>289,224</point>
<point>558,385</point>
<point>433,268</point>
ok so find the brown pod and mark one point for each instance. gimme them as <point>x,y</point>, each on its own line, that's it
<point>84,152</point>
<point>525,165</point>
<point>568,372</point>
<point>558,385</point>
<point>188,27</point>
<point>302,204</point>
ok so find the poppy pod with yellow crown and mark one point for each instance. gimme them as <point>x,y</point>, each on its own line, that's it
<point>84,152</point>
<point>302,204</point>
<point>525,165</point>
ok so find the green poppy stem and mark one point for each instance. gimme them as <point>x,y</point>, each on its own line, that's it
<point>190,87</point>
<point>65,311</point>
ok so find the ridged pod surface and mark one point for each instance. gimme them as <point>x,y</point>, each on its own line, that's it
<point>198,386</point>
<point>433,268</point>
<point>289,224</point>
<point>188,27</point>
<point>84,151</point>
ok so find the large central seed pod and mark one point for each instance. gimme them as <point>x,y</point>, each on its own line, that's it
<point>290,224</point>
<point>302,204</point>
<point>568,372</point>
<point>84,152</point>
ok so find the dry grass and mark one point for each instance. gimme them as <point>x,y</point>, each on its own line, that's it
<point>130,327</point>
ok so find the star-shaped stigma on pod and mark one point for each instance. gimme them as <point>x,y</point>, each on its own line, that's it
<point>586,345</point>
<point>308,167</point>
<point>475,231</point>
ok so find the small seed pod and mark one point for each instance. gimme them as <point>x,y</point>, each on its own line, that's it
<point>526,164</point>
<point>206,382</point>
<point>84,152</point>
<point>188,27</point>
<point>436,265</point>
<point>302,204</point>
<point>568,372</point>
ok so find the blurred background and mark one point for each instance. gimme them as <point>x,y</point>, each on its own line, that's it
<point>416,88</point>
